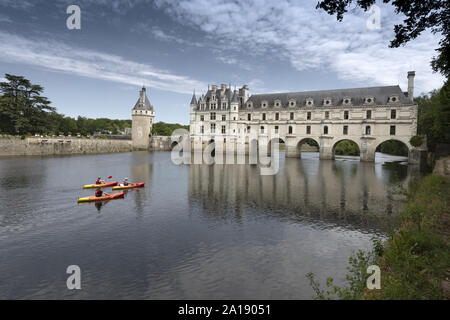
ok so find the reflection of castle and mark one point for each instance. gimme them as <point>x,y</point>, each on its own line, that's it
<point>344,190</point>
<point>367,116</point>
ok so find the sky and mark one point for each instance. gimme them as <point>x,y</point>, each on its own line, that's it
<point>176,47</point>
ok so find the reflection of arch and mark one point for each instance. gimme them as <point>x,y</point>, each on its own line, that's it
<point>309,141</point>
<point>406,149</point>
<point>173,144</point>
<point>333,151</point>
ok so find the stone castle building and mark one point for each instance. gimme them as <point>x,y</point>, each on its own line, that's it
<point>143,116</point>
<point>368,116</point>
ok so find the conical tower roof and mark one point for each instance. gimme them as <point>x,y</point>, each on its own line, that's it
<point>143,103</point>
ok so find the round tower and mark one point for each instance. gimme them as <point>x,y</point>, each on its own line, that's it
<point>142,117</point>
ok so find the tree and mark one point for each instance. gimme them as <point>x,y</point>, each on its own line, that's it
<point>22,108</point>
<point>420,15</point>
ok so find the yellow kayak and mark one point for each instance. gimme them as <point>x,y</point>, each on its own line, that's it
<point>110,196</point>
<point>130,186</point>
<point>103,185</point>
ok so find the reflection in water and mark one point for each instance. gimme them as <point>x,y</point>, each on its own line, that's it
<point>345,191</point>
<point>193,232</point>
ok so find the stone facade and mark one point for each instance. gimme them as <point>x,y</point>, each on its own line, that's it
<point>368,116</point>
<point>143,116</point>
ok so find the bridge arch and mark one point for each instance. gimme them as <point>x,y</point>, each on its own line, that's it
<point>313,142</point>
<point>395,146</point>
<point>349,147</point>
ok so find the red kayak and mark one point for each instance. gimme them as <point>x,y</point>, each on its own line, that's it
<point>110,196</point>
<point>130,186</point>
<point>103,185</point>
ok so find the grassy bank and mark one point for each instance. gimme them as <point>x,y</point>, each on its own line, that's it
<point>415,260</point>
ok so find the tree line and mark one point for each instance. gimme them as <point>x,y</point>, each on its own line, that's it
<point>24,111</point>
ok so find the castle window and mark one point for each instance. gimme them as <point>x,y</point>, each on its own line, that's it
<point>292,103</point>
<point>291,116</point>
<point>224,105</point>
<point>213,116</point>
<point>308,129</point>
<point>264,116</point>
<point>346,114</point>
<point>223,129</point>
<point>325,130</point>
<point>277,116</point>
<point>308,116</point>
<point>369,114</point>
<point>202,129</point>
<point>276,129</point>
<point>369,100</point>
<point>262,129</point>
<point>202,118</point>
<point>327,102</point>
<point>290,130</point>
<point>213,127</point>
<point>345,130</point>
<point>248,129</point>
<point>393,114</point>
<point>234,118</point>
<point>234,108</point>
<point>327,114</point>
<point>347,101</point>
<point>249,117</point>
<point>368,130</point>
<point>249,105</point>
<point>309,102</point>
<point>277,103</point>
<point>392,130</point>
<point>224,117</point>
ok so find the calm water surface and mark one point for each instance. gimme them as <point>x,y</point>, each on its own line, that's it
<point>194,232</point>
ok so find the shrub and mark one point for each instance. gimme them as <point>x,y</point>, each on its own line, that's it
<point>416,141</point>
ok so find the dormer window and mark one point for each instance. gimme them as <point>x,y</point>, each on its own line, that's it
<point>291,103</point>
<point>393,99</point>
<point>309,102</point>
<point>249,105</point>
<point>369,100</point>
<point>277,103</point>
<point>327,102</point>
<point>347,101</point>
<point>264,104</point>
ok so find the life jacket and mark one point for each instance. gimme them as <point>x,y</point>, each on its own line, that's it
<point>97,181</point>
<point>98,193</point>
<point>125,183</point>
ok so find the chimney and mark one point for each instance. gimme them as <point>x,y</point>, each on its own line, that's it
<point>411,75</point>
<point>243,92</point>
<point>223,87</point>
<point>214,88</point>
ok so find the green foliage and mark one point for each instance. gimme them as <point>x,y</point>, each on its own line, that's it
<point>393,147</point>
<point>414,260</point>
<point>23,111</point>
<point>418,16</point>
<point>416,141</point>
<point>356,279</point>
<point>434,116</point>
<point>347,148</point>
<point>166,129</point>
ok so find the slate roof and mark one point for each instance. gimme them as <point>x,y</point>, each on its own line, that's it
<point>357,97</point>
<point>143,103</point>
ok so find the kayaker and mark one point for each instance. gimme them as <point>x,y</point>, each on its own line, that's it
<point>125,182</point>
<point>100,193</point>
<point>99,181</point>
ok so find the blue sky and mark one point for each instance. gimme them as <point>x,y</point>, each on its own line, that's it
<point>174,47</point>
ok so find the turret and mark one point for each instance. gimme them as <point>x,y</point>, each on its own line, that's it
<point>411,75</point>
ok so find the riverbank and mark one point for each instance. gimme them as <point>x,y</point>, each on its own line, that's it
<point>36,146</point>
<point>415,260</point>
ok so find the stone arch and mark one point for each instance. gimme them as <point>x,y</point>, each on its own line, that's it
<point>302,141</point>
<point>269,144</point>
<point>333,149</point>
<point>406,145</point>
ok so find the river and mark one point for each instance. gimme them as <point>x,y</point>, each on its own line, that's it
<point>194,231</point>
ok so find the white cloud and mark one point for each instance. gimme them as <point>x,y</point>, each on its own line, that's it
<point>58,56</point>
<point>312,40</point>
